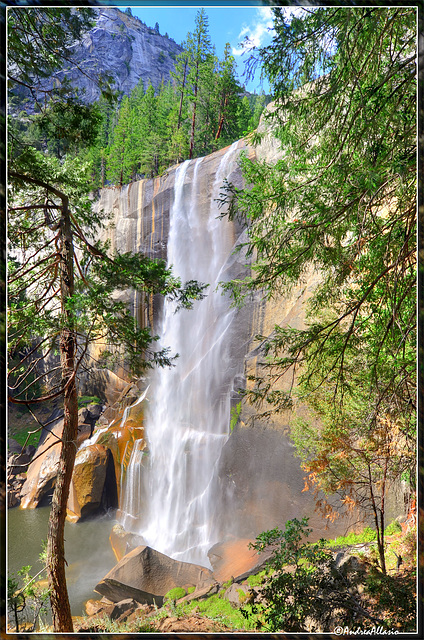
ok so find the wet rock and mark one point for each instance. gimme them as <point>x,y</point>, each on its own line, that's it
<point>147,575</point>
<point>41,476</point>
<point>123,542</point>
<point>90,492</point>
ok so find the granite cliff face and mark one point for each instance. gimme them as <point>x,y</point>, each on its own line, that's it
<point>122,47</point>
<point>259,477</point>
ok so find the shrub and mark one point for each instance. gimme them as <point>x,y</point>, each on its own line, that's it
<point>26,598</point>
<point>393,528</point>
<point>303,583</point>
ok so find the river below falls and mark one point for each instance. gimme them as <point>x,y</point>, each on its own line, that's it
<point>87,550</point>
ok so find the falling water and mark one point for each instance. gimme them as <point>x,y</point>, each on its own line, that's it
<point>171,495</point>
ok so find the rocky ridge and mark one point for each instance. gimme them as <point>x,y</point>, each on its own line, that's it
<point>121,47</point>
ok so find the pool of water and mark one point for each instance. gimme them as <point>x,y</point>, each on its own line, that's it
<point>87,550</point>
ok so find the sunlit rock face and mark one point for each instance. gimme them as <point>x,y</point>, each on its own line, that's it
<point>100,465</point>
<point>122,47</point>
<point>93,485</point>
<point>257,480</point>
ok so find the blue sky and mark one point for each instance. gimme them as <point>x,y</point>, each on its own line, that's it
<point>226,24</point>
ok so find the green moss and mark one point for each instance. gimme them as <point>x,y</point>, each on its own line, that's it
<point>83,401</point>
<point>175,594</point>
<point>191,589</point>
<point>256,580</point>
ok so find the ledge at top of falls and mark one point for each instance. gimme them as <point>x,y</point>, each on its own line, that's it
<point>140,210</point>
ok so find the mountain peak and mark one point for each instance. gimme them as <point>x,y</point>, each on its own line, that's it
<point>123,47</point>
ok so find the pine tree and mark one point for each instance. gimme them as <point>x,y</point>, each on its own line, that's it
<point>229,98</point>
<point>200,50</point>
<point>119,152</point>
<point>60,283</point>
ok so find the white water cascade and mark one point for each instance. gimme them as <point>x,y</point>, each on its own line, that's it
<point>171,495</point>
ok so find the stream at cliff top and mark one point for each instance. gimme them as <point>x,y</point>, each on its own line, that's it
<point>171,496</point>
<point>87,550</point>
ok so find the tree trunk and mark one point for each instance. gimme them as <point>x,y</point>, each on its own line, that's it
<point>378,522</point>
<point>182,96</point>
<point>193,121</point>
<point>222,118</point>
<point>61,611</point>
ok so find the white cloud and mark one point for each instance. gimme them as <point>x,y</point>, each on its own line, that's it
<point>260,30</point>
<point>255,33</point>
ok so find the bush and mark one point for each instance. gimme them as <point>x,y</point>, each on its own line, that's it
<point>393,528</point>
<point>26,599</point>
<point>303,583</point>
<point>396,596</point>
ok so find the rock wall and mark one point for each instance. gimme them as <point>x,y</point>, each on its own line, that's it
<point>122,47</point>
<point>260,478</point>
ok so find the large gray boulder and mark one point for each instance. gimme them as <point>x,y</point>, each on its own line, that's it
<point>147,575</point>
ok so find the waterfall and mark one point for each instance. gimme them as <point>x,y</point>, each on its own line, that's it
<point>171,495</point>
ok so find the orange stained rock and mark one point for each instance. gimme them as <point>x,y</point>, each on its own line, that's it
<point>234,559</point>
<point>120,438</point>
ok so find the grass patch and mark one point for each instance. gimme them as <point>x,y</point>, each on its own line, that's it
<point>219,609</point>
<point>367,535</point>
<point>83,401</point>
<point>21,437</point>
<point>256,580</point>
<point>175,594</point>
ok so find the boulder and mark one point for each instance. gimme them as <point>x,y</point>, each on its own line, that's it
<point>121,610</point>
<point>200,593</point>
<point>94,607</point>
<point>147,575</point>
<point>13,446</point>
<point>123,542</point>
<point>93,486</point>
<point>237,593</point>
<point>41,477</point>
<point>18,462</point>
<point>233,559</point>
